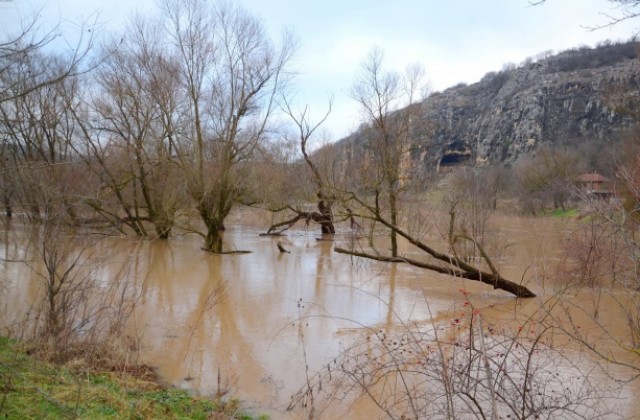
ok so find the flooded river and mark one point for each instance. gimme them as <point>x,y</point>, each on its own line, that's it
<point>262,323</point>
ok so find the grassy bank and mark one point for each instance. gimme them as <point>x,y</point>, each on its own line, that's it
<point>30,388</point>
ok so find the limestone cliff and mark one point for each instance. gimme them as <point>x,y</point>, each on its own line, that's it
<point>562,99</point>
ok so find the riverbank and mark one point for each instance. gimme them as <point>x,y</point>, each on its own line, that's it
<point>31,388</point>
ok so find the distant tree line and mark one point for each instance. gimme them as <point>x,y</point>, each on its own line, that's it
<point>604,54</point>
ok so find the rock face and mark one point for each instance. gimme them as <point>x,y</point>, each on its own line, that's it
<point>563,99</point>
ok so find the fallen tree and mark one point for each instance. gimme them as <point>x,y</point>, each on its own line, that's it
<point>448,263</point>
<point>325,221</point>
<point>497,281</point>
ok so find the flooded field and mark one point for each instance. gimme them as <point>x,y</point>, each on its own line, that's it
<point>265,324</point>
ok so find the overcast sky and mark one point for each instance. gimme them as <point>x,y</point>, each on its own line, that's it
<point>455,40</point>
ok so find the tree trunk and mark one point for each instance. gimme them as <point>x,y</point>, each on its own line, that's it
<point>213,240</point>
<point>394,220</point>
<point>163,228</point>
<point>498,282</point>
<point>214,222</point>
<point>326,222</point>
<point>7,205</point>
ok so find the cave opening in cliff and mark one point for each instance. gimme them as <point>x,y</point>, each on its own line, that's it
<point>455,159</point>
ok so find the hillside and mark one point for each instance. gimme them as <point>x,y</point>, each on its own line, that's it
<point>568,98</point>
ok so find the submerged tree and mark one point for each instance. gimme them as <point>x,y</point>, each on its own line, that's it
<point>230,74</point>
<point>388,100</point>
<point>128,137</point>
<point>324,189</point>
<point>17,52</point>
<point>38,132</point>
<point>35,124</point>
<point>324,194</point>
<point>471,199</point>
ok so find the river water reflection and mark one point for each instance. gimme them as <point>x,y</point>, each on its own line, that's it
<point>249,315</point>
<point>256,322</point>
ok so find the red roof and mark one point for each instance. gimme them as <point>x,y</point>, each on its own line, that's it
<point>592,177</point>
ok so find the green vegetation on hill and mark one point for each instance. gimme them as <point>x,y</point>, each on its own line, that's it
<point>30,388</point>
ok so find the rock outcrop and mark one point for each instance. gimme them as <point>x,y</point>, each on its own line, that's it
<point>562,99</point>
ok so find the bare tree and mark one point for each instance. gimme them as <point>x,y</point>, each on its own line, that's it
<point>38,132</point>
<point>601,264</point>
<point>34,127</point>
<point>546,177</point>
<point>325,196</point>
<point>84,304</point>
<point>323,188</point>
<point>389,104</point>
<point>131,119</point>
<point>18,51</point>
<point>471,200</point>
<point>230,74</point>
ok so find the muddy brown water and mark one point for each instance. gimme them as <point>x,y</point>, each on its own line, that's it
<point>259,323</point>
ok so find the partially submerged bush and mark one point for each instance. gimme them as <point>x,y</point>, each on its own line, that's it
<point>82,303</point>
<point>461,369</point>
